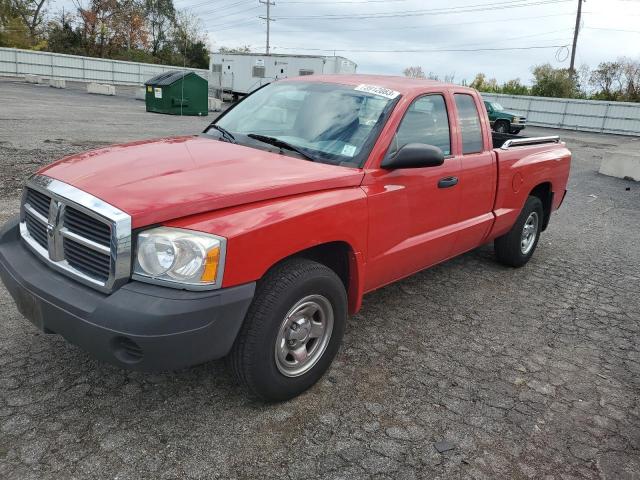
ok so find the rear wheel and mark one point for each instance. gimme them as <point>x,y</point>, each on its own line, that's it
<point>516,247</point>
<point>502,126</point>
<point>292,331</point>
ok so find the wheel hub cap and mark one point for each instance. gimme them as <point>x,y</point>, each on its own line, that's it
<point>529,233</point>
<point>304,335</point>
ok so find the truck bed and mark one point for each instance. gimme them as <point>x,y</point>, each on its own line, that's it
<point>500,140</point>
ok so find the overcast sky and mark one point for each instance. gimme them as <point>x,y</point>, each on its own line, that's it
<point>610,28</point>
<point>431,25</point>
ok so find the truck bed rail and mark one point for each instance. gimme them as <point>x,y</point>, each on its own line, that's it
<point>520,142</point>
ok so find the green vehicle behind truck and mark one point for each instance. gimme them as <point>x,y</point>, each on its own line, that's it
<point>503,121</point>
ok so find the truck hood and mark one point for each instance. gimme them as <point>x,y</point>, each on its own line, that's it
<point>510,113</point>
<point>159,180</point>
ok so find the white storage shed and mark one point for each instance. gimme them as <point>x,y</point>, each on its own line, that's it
<point>241,73</point>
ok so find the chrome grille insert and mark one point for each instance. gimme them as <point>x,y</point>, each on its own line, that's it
<point>76,233</point>
<point>88,227</point>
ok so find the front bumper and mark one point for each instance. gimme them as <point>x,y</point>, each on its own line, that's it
<point>139,326</point>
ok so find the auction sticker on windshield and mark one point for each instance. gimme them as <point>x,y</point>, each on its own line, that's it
<point>376,90</point>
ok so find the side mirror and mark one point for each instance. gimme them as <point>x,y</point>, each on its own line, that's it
<point>415,155</point>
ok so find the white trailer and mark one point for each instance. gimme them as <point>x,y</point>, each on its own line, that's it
<point>241,73</point>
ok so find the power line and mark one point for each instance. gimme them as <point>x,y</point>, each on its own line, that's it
<point>208,11</point>
<point>233,24</point>
<point>612,29</point>
<point>421,12</point>
<point>427,27</point>
<point>344,1</point>
<point>436,50</point>
<point>231,14</point>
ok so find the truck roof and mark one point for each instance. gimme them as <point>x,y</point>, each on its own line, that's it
<point>404,85</point>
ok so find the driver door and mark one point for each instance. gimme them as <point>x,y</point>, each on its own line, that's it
<point>412,210</point>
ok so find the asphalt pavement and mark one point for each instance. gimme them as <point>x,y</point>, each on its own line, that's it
<point>467,370</point>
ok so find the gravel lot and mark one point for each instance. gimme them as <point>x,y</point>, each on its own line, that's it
<point>528,373</point>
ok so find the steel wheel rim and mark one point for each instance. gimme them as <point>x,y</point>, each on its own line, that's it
<point>529,233</point>
<point>303,335</point>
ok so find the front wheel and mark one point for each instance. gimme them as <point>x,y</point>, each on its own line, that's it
<point>292,330</point>
<point>516,247</point>
<point>502,126</point>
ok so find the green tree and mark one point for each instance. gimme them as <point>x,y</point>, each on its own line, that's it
<point>607,79</point>
<point>188,41</point>
<point>32,13</point>
<point>62,38</point>
<point>161,20</point>
<point>514,87</point>
<point>481,84</point>
<point>553,82</point>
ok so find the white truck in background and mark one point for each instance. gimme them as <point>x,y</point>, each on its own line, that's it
<point>241,73</point>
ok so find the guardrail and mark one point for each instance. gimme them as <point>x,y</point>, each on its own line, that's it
<point>584,115</point>
<point>16,62</point>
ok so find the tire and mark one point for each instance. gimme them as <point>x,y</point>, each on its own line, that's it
<point>290,291</point>
<point>513,249</point>
<point>502,126</point>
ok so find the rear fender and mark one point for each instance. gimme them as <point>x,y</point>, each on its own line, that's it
<point>520,171</point>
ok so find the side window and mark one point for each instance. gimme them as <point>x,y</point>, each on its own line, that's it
<point>470,128</point>
<point>426,121</point>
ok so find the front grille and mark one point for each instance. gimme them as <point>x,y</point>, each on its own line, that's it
<point>38,201</point>
<point>37,230</point>
<point>73,231</point>
<point>88,261</point>
<point>87,227</point>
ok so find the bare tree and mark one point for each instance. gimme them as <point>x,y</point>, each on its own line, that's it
<point>32,13</point>
<point>414,72</point>
<point>607,79</point>
<point>631,77</point>
<point>243,49</point>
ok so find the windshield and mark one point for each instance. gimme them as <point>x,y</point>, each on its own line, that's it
<point>325,122</point>
<point>497,106</point>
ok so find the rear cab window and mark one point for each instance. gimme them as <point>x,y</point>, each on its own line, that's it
<point>469,121</point>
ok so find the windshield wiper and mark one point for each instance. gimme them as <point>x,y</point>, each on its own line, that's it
<point>225,133</point>
<point>276,142</point>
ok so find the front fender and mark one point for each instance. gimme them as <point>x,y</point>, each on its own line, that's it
<point>261,234</point>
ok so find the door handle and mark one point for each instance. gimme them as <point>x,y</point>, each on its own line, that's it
<point>447,182</point>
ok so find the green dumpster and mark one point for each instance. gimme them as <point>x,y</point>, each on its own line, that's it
<point>177,92</point>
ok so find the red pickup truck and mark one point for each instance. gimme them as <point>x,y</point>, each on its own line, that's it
<point>255,239</point>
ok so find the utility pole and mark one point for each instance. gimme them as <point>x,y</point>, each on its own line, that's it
<point>268,18</point>
<point>575,38</point>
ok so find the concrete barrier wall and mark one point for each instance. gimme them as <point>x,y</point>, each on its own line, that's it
<point>584,115</point>
<point>15,62</point>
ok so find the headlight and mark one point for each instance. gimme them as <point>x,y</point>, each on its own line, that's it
<point>516,120</point>
<point>180,258</point>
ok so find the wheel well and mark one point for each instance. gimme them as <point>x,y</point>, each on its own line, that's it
<point>545,194</point>
<point>334,255</point>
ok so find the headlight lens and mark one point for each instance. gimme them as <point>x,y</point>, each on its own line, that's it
<point>180,258</point>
